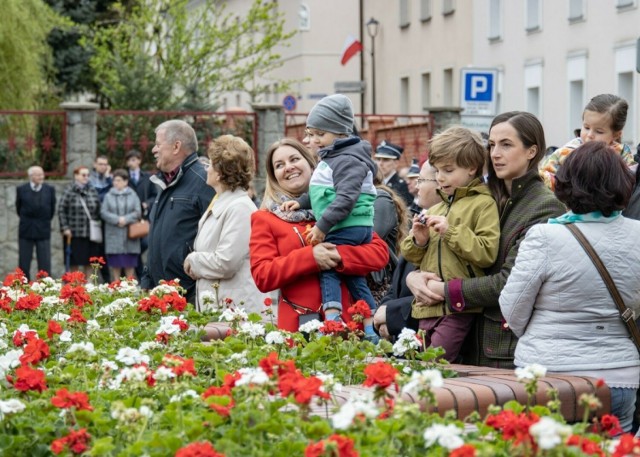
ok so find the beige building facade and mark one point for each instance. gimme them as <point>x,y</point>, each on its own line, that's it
<point>551,56</point>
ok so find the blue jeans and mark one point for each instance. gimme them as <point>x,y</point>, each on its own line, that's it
<point>330,279</point>
<point>623,404</point>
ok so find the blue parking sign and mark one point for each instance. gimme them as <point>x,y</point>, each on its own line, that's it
<point>478,91</point>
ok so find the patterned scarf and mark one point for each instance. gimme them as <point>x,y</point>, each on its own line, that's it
<point>299,215</point>
<point>595,216</point>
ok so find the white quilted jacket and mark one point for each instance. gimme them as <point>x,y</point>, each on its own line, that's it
<point>557,304</point>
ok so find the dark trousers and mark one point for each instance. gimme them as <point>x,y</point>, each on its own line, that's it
<point>43,254</point>
<point>447,332</point>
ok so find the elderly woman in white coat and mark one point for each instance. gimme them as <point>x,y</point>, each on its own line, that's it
<point>220,260</point>
<point>555,300</point>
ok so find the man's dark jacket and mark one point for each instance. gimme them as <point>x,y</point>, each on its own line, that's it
<point>174,223</point>
<point>35,209</point>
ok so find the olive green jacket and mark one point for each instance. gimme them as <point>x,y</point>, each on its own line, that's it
<point>470,243</point>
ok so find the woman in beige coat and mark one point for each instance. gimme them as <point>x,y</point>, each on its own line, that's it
<point>220,260</point>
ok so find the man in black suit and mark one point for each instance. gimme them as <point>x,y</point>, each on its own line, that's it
<point>146,190</point>
<point>386,156</point>
<point>36,206</point>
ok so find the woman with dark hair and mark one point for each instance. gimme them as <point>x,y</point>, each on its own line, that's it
<point>516,146</point>
<point>79,201</point>
<point>220,259</point>
<point>555,300</point>
<point>281,258</point>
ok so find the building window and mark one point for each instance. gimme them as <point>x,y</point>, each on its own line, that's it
<point>534,15</point>
<point>404,14</point>
<point>625,4</point>
<point>495,20</point>
<point>576,11</point>
<point>533,87</point>
<point>448,7</point>
<point>625,62</point>
<point>426,91</point>
<point>576,77</point>
<point>404,95</point>
<point>425,10</point>
<point>304,17</point>
<point>447,88</point>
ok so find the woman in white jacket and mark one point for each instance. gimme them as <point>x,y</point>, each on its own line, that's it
<point>555,300</point>
<point>220,260</point>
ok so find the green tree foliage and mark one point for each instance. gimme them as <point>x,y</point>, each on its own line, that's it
<point>24,54</point>
<point>176,53</point>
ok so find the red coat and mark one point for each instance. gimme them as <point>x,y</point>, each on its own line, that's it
<point>280,260</point>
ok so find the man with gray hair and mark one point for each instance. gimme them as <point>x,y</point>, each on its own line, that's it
<point>183,197</point>
<point>36,206</point>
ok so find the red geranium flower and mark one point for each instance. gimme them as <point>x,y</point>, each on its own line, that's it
<point>74,277</point>
<point>97,261</point>
<point>179,365</point>
<point>42,274</point>
<point>610,424</point>
<point>359,311</point>
<point>76,316</point>
<point>53,327</point>
<point>586,445</point>
<point>5,304</point>
<point>514,426</point>
<point>203,449</point>
<point>380,374</point>
<point>466,450</point>
<point>163,338</point>
<point>628,445</point>
<point>17,278</point>
<point>335,445</point>
<point>332,328</point>
<point>152,302</point>
<point>31,301</point>
<point>35,351</point>
<point>302,388</point>
<point>76,441</point>
<point>20,338</point>
<point>175,301</point>
<point>29,379</point>
<point>78,294</point>
<point>65,400</point>
<point>268,301</point>
<point>182,324</point>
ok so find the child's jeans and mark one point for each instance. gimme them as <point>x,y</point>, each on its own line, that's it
<point>447,332</point>
<point>330,279</point>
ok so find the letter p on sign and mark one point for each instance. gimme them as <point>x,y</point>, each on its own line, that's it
<point>478,85</point>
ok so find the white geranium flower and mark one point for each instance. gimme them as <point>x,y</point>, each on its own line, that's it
<point>115,307</point>
<point>361,403</point>
<point>3,329</point>
<point>186,394</point>
<point>533,371</point>
<point>423,379</point>
<point>311,326</point>
<point>447,436</point>
<point>60,317</point>
<point>274,337</point>
<point>108,365</point>
<point>51,301</point>
<point>237,314</point>
<point>24,328</point>
<point>92,325</point>
<point>406,340</point>
<point>163,374</point>
<point>10,406</point>
<point>3,344</point>
<point>9,360</point>
<point>150,345</point>
<point>65,336</point>
<point>329,383</point>
<point>252,376</point>
<point>130,356</point>
<point>86,347</point>
<point>240,357</point>
<point>548,433</point>
<point>253,330</point>
<point>145,411</point>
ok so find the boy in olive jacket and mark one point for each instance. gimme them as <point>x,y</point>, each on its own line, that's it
<point>456,238</point>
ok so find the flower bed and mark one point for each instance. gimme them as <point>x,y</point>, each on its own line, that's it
<point>105,370</point>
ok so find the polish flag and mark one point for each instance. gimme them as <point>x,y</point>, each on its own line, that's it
<point>351,47</point>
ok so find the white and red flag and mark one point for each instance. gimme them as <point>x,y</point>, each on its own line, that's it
<point>351,47</point>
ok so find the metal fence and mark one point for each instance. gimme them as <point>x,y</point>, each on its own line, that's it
<point>32,138</point>
<point>412,132</point>
<point>121,131</point>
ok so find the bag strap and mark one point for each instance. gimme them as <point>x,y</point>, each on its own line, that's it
<point>627,314</point>
<point>86,210</point>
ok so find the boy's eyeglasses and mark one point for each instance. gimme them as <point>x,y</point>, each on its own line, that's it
<point>422,180</point>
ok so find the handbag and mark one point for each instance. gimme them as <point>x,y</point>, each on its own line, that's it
<point>626,314</point>
<point>138,229</point>
<point>95,227</point>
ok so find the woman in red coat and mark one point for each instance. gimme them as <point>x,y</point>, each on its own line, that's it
<point>280,258</point>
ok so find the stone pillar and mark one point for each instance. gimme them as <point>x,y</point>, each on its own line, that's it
<point>81,134</point>
<point>270,129</point>
<point>444,117</point>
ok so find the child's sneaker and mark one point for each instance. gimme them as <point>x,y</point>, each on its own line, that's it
<point>370,334</point>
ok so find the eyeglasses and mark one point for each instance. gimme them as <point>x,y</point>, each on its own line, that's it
<point>84,175</point>
<point>422,180</point>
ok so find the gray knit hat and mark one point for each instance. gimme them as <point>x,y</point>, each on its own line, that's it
<point>332,114</point>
